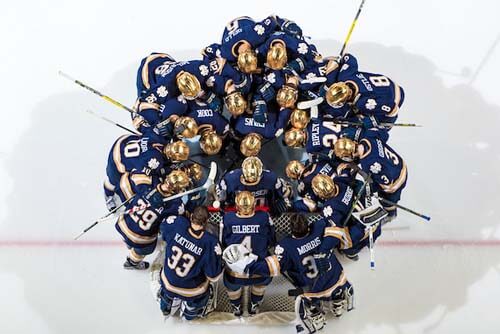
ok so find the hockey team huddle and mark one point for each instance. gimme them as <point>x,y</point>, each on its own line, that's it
<point>264,81</point>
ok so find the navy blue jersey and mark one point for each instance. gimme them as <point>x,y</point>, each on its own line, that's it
<point>150,69</point>
<point>295,257</point>
<point>256,232</point>
<point>135,155</point>
<point>297,49</point>
<point>141,228</point>
<point>165,95</point>
<point>207,118</point>
<point>191,260</point>
<point>264,191</point>
<point>223,74</point>
<point>273,128</point>
<point>245,29</point>
<point>211,52</point>
<point>388,170</point>
<point>336,209</point>
<point>322,135</point>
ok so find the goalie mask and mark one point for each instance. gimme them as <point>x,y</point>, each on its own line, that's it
<point>299,119</point>
<point>345,149</point>
<point>338,94</point>
<point>185,127</point>
<point>245,203</point>
<point>276,55</point>
<point>235,103</point>
<point>194,171</point>
<point>252,170</point>
<point>188,85</point>
<point>247,59</point>
<point>210,142</point>
<point>175,182</point>
<point>287,96</point>
<point>294,169</point>
<point>324,187</point>
<point>177,151</point>
<point>250,146</point>
<point>295,138</point>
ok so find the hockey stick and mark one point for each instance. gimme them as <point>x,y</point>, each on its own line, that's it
<point>112,122</point>
<point>105,97</point>
<point>210,180</point>
<point>383,125</point>
<point>404,208</point>
<point>109,214</point>
<point>352,28</point>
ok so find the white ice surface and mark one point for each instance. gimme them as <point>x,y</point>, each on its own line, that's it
<point>53,154</point>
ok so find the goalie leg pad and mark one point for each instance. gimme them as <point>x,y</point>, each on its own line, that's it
<point>195,308</point>
<point>310,316</point>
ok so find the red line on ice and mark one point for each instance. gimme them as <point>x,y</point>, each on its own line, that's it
<point>111,243</point>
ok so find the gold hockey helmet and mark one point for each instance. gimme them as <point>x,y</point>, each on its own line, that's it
<point>177,181</point>
<point>247,59</point>
<point>299,119</point>
<point>245,203</point>
<point>294,169</point>
<point>194,171</point>
<point>185,127</point>
<point>210,142</point>
<point>252,170</point>
<point>295,138</point>
<point>287,96</point>
<point>235,103</point>
<point>188,85</point>
<point>345,149</point>
<point>338,94</point>
<point>276,55</point>
<point>177,151</point>
<point>323,186</point>
<point>250,146</point>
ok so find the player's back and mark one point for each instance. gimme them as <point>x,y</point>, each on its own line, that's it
<point>322,135</point>
<point>191,259</point>
<point>300,255</point>
<point>256,233</point>
<point>261,190</point>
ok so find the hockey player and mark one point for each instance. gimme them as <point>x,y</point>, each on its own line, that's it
<point>273,128</point>
<point>318,138</point>
<point>151,69</point>
<point>139,229</point>
<point>255,230</point>
<point>303,174</point>
<point>268,189</point>
<point>294,257</point>
<point>192,261</point>
<point>183,81</point>
<point>132,159</point>
<point>374,98</point>
<point>387,169</point>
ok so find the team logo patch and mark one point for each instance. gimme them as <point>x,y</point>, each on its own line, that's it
<point>271,78</point>
<point>218,250</point>
<point>303,48</point>
<point>327,211</point>
<point>278,250</point>
<point>370,104</point>
<point>375,168</point>
<point>162,91</point>
<point>153,163</point>
<point>204,70</point>
<point>259,29</point>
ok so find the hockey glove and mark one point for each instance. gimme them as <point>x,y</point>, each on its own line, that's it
<point>322,262</point>
<point>154,198</point>
<point>292,29</point>
<point>110,203</point>
<point>267,91</point>
<point>323,90</point>
<point>164,129</point>
<point>260,111</point>
<point>214,102</point>
<point>293,67</point>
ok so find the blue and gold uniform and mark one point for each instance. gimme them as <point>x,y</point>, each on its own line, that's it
<point>132,161</point>
<point>295,257</point>
<point>321,136</point>
<point>151,69</point>
<point>256,233</point>
<point>269,186</point>
<point>192,261</point>
<point>273,128</point>
<point>139,229</point>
